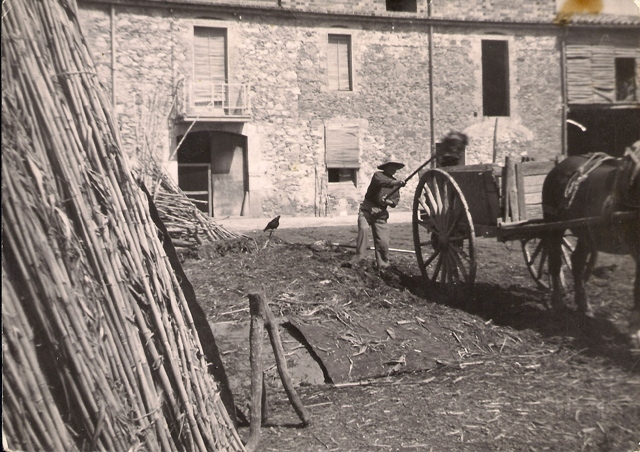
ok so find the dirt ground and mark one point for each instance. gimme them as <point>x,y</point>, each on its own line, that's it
<point>403,367</point>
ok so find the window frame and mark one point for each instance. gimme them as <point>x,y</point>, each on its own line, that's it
<point>490,108</point>
<point>224,29</point>
<point>342,153</point>
<point>349,63</point>
<point>343,178</point>
<point>631,77</point>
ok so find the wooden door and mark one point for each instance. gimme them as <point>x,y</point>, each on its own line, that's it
<point>228,173</point>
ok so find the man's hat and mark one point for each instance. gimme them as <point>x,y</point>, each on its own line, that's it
<point>391,161</point>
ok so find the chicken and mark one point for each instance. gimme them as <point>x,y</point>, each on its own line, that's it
<point>273,224</point>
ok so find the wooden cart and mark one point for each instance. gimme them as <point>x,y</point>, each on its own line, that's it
<point>454,205</point>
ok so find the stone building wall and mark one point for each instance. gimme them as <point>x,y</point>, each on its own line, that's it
<point>492,10</point>
<point>283,59</point>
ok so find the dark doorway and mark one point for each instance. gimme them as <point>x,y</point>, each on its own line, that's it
<point>212,171</point>
<point>606,130</point>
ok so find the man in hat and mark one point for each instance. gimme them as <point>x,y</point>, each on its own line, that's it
<point>373,211</point>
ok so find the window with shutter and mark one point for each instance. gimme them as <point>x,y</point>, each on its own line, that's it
<point>209,66</point>
<point>601,69</point>
<point>339,62</point>
<point>342,153</point>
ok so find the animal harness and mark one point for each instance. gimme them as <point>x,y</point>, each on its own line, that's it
<point>595,160</point>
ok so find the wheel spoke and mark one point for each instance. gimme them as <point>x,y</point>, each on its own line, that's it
<point>567,250</point>
<point>460,252</point>
<point>456,222</point>
<point>460,265</point>
<point>437,196</point>
<point>445,197</point>
<point>436,271</point>
<point>445,265</point>
<point>452,274</point>
<point>433,256</point>
<point>428,224</point>
<point>424,207</point>
<point>541,264</point>
<point>536,251</point>
<point>430,199</point>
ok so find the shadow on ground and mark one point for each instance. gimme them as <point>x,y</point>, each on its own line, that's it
<point>525,309</point>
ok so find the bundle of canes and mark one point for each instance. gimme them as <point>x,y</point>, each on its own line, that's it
<point>99,347</point>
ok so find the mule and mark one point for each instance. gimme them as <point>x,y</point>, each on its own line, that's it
<point>593,186</point>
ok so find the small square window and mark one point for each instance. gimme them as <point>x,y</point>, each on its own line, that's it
<point>343,175</point>
<point>626,79</point>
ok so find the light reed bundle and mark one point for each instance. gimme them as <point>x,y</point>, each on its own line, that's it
<point>99,347</point>
<point>183,219</point>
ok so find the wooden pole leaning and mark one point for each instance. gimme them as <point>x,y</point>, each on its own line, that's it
<point>256,334</point>
<point>281,363</point>
<point>256,299</point>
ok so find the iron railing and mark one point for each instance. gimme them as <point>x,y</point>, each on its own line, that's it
<point>214,100</point>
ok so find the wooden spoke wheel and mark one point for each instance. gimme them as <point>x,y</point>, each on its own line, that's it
<point>536,260</point>
<point>443,233</point>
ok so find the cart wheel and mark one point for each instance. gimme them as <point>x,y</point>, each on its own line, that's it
<point>443,233</point>
<point>535,257</point>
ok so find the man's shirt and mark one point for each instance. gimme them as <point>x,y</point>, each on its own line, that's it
<point>379,187</point>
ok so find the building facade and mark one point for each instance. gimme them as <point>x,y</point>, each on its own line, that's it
<point>266,107</point>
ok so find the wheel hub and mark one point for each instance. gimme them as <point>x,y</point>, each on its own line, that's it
<point>439,242</point>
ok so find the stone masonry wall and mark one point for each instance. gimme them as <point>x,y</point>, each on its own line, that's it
<point>495,10</point>
<point>283,59</point>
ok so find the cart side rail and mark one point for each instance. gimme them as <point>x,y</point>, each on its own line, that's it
<point>522,189</point>
<point>480,185</point>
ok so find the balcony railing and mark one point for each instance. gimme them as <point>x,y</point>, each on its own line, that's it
<point>214,100</point>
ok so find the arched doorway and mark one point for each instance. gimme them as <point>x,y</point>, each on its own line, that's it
<point>212,171</point>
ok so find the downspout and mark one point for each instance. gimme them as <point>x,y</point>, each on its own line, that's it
<point>563,81</point>
<point>113,57</point>
<point>431,105</point>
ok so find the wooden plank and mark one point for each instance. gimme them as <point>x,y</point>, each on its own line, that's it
<point>534,182</point>
<point>522,207</point>
<point>511,213</point>
<point>537,168</point>
<point>495,168</point>
<point>492,189</point>
<point>481,201</point>
<point>533,198</point>
<point>534,211</point>
<point>535,228</point>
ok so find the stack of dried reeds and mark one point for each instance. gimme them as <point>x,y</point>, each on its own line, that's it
<point>99,347</point>
<point>186,224</point>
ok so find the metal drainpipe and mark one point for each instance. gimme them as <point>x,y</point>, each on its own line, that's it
<point>113,57</point>
<point>563,81</point>
<point>431,105</point>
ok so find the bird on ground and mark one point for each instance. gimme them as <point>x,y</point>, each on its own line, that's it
<point>273,225</point>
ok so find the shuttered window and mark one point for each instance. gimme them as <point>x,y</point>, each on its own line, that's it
<point>342,147</point>
<point>209,65</point>
<point>601,71</point>
<point>339,59</point>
